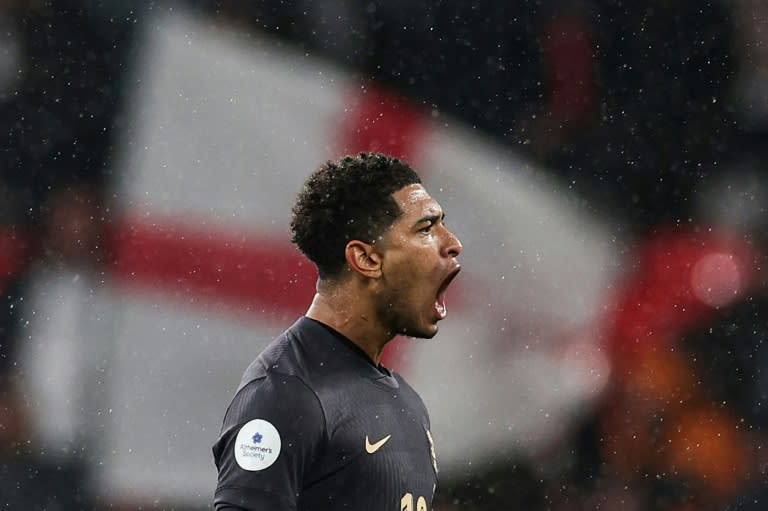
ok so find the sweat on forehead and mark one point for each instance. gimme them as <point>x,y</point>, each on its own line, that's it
<point>414,193</point>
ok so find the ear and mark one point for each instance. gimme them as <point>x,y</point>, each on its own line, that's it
<point>363,258</point>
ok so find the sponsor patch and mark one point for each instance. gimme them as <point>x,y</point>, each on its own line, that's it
<point>257,445</point>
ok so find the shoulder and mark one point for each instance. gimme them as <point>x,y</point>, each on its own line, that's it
<point>410,394</point>
<point>287,354</point>
<point>277,406</point>
<point>280,380</point>
<point>276,397</point>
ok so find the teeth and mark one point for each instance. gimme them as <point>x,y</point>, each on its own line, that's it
<point>442,310</point>
<point>440,307</point>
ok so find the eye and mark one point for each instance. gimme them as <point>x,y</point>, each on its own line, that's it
<point>427,228</point>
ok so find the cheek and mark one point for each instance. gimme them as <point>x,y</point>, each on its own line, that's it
<point>410,267</point>
<point>414,267</point>
<point>415,280</point>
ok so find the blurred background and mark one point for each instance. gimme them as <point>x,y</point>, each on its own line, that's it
<point>601,160</point>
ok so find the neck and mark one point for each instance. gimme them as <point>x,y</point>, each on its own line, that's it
<point>343,310</point>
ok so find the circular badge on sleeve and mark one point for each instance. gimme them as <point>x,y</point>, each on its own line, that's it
<point>257,445</point>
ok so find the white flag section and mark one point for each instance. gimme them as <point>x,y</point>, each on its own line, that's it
<point>224,130</point>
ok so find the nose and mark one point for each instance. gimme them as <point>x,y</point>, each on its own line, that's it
<point>452,246</point>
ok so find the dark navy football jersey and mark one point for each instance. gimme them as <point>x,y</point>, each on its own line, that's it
<point>316,426</point>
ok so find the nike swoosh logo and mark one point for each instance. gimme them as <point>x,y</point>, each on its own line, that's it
<point>372,448</point>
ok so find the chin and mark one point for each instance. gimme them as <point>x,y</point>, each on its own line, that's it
<point>421,333</point>
<point>429,334</point>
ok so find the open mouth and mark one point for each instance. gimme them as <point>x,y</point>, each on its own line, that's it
<point>440,308</point>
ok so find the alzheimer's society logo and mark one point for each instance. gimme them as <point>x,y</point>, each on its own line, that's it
<point>257,445</point>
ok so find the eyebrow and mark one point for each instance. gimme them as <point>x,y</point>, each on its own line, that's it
<point>430,218</point>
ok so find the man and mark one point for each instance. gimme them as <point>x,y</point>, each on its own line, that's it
<point>317,422</point>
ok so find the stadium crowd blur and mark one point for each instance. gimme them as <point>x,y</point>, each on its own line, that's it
<point>655,114</point>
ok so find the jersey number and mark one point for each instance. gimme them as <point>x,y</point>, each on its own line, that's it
<point>406,503</point>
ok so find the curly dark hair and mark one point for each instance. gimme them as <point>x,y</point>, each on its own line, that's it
<point>348,199</point>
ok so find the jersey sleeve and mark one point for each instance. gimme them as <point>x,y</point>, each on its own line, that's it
<point>272,432</point>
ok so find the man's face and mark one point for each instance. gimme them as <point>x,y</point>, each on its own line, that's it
<point>418,263</point>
